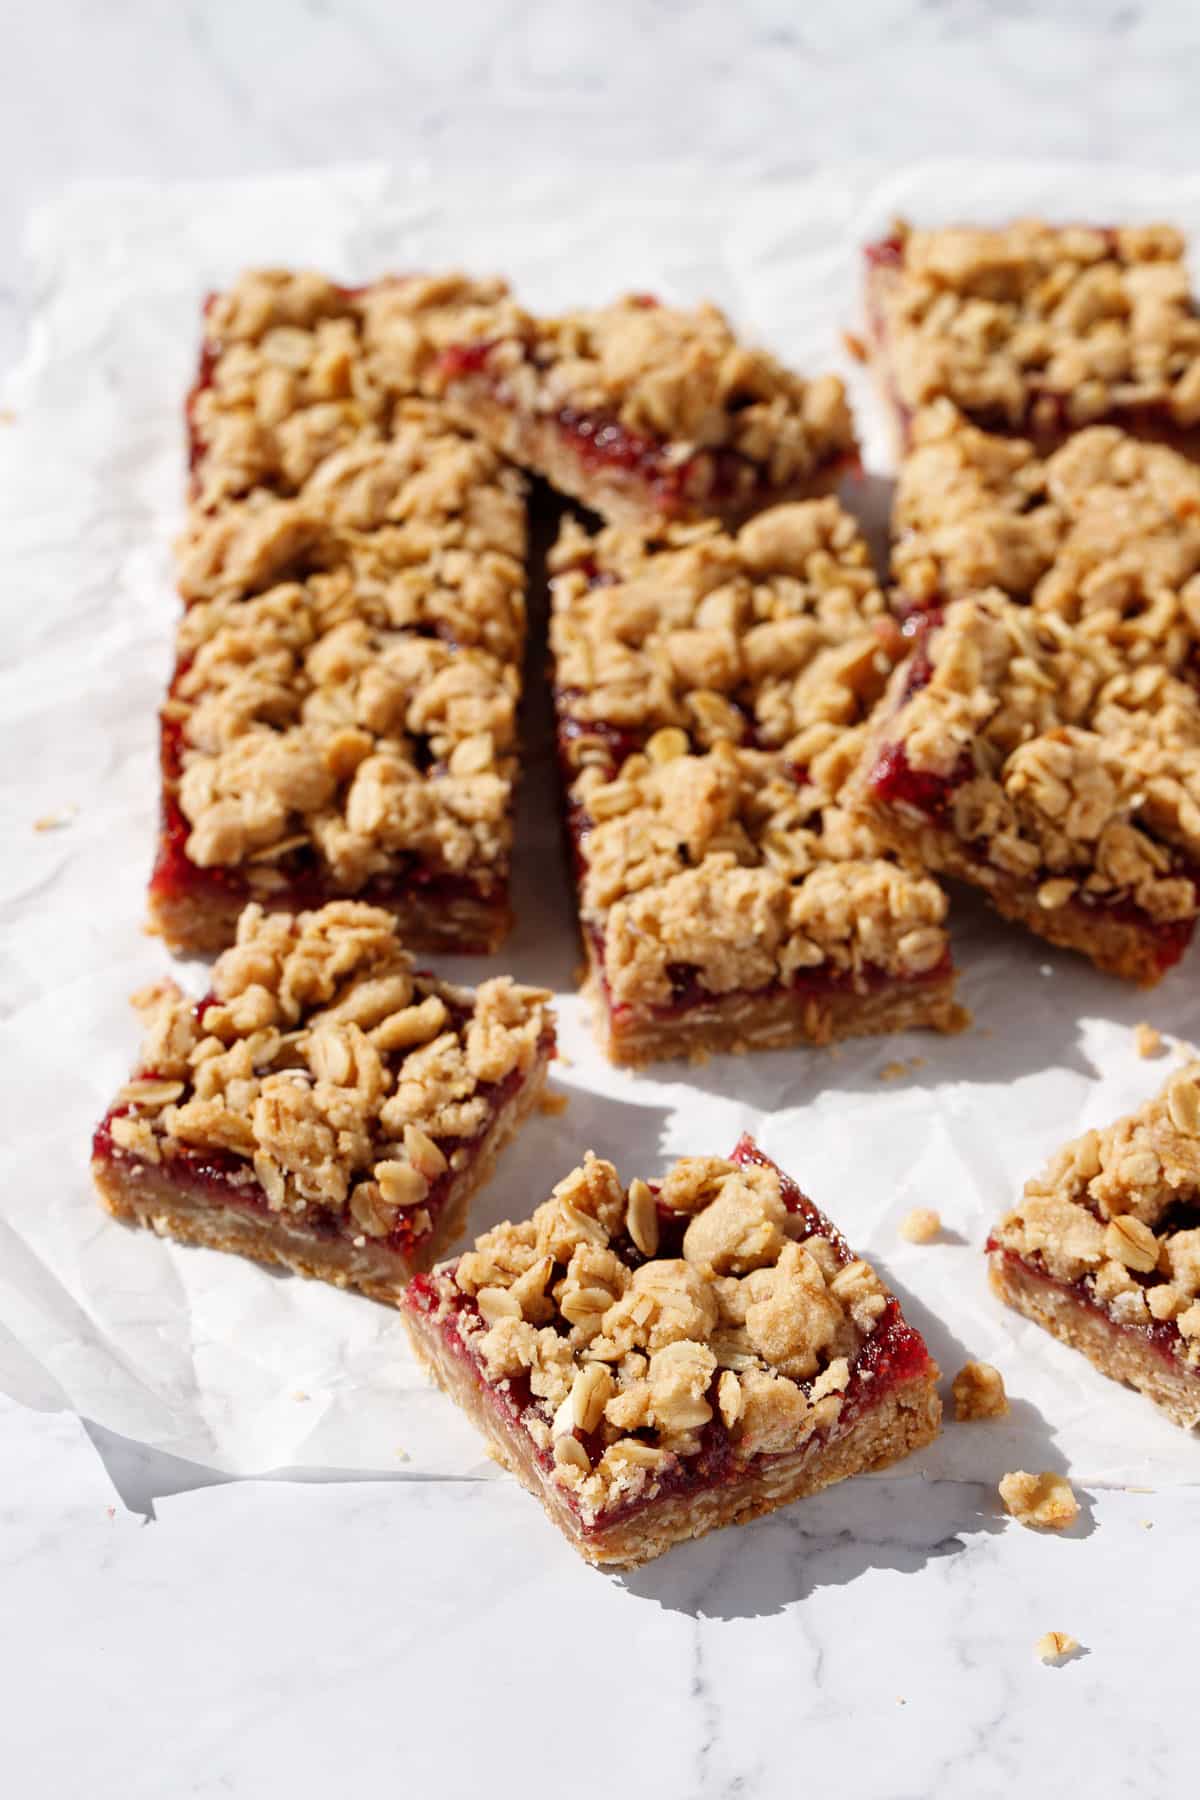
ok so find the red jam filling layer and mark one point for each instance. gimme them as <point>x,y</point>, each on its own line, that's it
<point>228,1179</point>
<point>894,1353</point>
<point>1162,1335</point>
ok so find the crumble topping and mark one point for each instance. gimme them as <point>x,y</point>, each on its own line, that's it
<point>293,374</point>
<point>921,1226</point>
<point>1105,533</point>
<point>978,1391</point>
<point>635,1315</point>
<point>1147,1040</point>
<point>728,859</point>
<point>678,377</point>
<point>1055,1647</point>
<point>347,1082</point>
<point>778,629</point>
<point>1118,1211</point>
<point>1048,326</point>
<point>349,665</point>
<point>1042,1502</point>
<point>1081,772</point>
<point>725,864</point>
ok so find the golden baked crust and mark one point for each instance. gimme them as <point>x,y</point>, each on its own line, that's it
<point>1110,1233</point>
<point>1029,757</point>
<point>1037,327</point>
<point>1105,533</point>
<point>335,1087</point>
<point>617,1325</point>
<point>711,690</point>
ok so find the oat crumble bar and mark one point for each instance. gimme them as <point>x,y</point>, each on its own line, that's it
<point>1103,1249</point>
<point>657,1360</point>
<point>1039,329</point>
<point>711,691</point>
<point>1022,754</point>
<point>644,412</point>
<point>1105,533</point>
<point>327,1107</point>
<point>342,717</point>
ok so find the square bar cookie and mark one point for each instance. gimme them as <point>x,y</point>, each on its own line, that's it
<point>655,1361</point>
<point>710,692</point>
<point>1027,757</point>
<point>342,716</point>
<point>1103,1250</point>
<point>642,411</point>
<point>326,1107</point>
<point>1105,533</point>
<point>1039,329</point>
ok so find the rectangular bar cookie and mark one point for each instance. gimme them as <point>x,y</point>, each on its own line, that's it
<point>1103,1250</point>
<point>653,1362</point>
<point>326,1107</point>
<point>710,692</point>
<point>1028,757</point>
<point>644,412</point>
<point>1038,329</point>
<point>342,716</point>
<point>1104,533</point>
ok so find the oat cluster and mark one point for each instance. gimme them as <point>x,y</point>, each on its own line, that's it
<point>1041,327</point>
<point>1116,1211</point>
<point>737,671</point>
<point>1066,766</point>
<point>347,1082</point>
<point>637,1314</point>
<point>1104,534</point>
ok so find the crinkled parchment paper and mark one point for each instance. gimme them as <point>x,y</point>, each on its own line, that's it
<point>218,1360</point>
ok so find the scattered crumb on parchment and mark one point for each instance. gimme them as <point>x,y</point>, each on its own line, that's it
<point>1147,1041</point>
<point>1055,1647</point>
<point>553,1102</point>
<point>568,1062</point>
<point>921,1226</point>
<point>893,1071</point>
<point>402,1455</point>
<point>299,1394</point>
<point>7,416</point>
<point>979,1393</point>
<point>54,821</point>
<point>855,346</point>
<point>1044,1502</point>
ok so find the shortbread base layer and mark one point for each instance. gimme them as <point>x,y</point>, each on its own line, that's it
<point>1118,946</point>
<point>619,495</point>
<point>141,1193</point>
<point>774,1020</point>
<point>199,922</point>
<point>1116,1351</point>
<point>905,1420</point>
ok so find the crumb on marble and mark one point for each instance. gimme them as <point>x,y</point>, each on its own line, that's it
<point>553,1102</point>
<point>921,1226</point>
<point>893,1071</point>
<point>1147,1041</point>
<point>979,1393</point>
<point>1055,1647</point>
<point>1042,1502</point>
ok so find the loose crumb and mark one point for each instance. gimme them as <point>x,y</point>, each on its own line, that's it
<point>978,1391</point>
<point>1146,1040</point>
<point>893,1071</point>
<point>7,416</point>
<point>1055,1647</point>
<point>402,1455</point>
<point>553,1102</point>
<point>564,1061</point>
<point>299,1394</point>
<point>921,1225</point>
<point>855,346</point>
<point>1147,1524</point>
<point>56,820</point>
<point>1042,1502</point>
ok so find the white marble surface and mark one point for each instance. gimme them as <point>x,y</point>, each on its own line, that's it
<point>169,1632</point>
